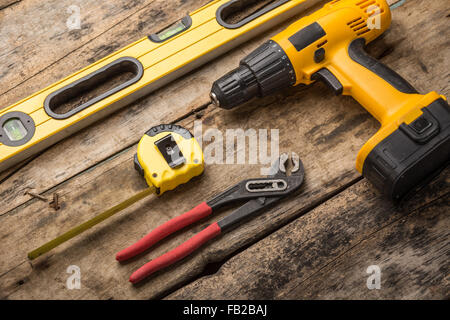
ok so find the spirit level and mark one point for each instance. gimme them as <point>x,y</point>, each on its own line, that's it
<point>167,156</point>
<point>65,107</point>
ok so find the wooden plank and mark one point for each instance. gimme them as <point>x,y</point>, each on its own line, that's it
<point>125,128</point>
<point>325,254</point>
<point>6,3</point>
<point>327,140</point>
<point>412,255</point>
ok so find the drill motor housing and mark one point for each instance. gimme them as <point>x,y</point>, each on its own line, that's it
<point>412,144</point>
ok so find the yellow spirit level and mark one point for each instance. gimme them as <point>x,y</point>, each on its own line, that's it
<point>65,107</point>
<point>167,156</point>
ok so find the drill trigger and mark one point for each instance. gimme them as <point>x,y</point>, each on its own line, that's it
<point>324,75</point>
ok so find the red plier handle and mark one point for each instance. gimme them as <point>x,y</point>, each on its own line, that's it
<point>176,254</point>
<point>199,212</point>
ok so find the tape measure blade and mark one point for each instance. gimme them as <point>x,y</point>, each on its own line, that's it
<point>89,224</point>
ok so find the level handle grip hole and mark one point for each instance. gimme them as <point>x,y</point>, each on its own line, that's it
<point>92,88</point>
<point>236,13</point>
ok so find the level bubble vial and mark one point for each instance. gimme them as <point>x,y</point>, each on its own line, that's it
<point>14,129</point>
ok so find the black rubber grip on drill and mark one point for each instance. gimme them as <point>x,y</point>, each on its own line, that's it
<point>261,73</point>
<point>358,54</point>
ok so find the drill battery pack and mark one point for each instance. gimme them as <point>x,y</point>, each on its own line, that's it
<point>413,154</point>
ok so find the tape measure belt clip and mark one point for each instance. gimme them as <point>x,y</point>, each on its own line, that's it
<point>170,151</point>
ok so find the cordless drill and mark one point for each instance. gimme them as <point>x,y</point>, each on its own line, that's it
<point>411,146</point>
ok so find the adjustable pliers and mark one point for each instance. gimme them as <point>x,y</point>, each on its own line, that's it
<point>260,193</point>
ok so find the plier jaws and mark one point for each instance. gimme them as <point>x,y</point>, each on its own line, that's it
<point>278,184</point>
<point>260,193</point>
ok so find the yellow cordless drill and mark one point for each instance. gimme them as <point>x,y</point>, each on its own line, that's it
<point>412,144</point>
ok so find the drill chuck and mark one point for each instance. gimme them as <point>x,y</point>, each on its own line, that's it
<point>263,72</point>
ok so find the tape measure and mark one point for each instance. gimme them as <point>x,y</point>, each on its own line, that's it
<point>167,156</point>
<point>65,107</point>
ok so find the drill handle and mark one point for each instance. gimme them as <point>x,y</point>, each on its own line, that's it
<point>357,53</point>
<point>381,91</point>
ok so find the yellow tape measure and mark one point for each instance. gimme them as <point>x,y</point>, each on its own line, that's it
<point>65,107</point>
<point>167,156</point>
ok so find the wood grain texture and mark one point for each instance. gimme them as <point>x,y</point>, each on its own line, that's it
<point>37,37</point>
<point>325,254</point>
<point>6,3</point>
<point>326,132</point>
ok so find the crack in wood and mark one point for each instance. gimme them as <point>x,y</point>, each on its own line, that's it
<point>7,3</point>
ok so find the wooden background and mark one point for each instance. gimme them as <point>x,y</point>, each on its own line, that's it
<point>315,245</point>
